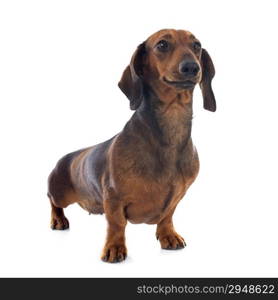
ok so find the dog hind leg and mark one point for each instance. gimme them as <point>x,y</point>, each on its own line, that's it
<point>58,218</point>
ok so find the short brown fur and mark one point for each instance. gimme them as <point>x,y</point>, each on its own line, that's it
<point>141,174</point>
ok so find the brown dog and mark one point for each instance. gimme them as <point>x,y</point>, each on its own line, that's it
<point>142,173</point>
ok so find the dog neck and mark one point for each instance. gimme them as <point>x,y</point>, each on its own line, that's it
<point>160,130</point>
<point>168,115</point>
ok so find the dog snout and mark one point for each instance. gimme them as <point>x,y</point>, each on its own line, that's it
<point>189,68</point>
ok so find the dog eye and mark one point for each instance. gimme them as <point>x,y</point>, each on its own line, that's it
<point>162,46</point>
<point>197,46</point>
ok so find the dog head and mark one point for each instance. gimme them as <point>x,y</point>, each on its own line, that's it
<point>172,59</point>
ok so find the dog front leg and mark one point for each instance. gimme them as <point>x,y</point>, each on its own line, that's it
<point>166,234</point>
<point>114,249</point>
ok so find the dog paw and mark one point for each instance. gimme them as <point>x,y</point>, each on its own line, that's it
<point>59,223</point>
<point>114,253</point>
<point>172,241</point>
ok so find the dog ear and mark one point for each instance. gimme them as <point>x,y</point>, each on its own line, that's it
<point>131,83</point>
<point>208,73</point>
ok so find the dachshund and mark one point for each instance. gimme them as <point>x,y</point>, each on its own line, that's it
<point>142,173</point>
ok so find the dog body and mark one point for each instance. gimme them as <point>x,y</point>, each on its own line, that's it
<point>142,173</point>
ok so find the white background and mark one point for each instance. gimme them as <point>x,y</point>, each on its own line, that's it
<point>60,62</point>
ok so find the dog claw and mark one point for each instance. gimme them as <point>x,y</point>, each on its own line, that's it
<point>172,241</point>
<point>114,254</point>
<point>61,223</point>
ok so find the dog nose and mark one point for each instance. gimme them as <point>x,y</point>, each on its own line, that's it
<point>189,68</point>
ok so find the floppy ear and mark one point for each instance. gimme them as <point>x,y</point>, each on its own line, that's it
<point>208,72</point>
<point>131,83</point>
